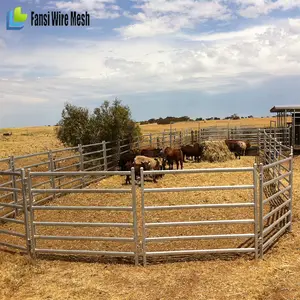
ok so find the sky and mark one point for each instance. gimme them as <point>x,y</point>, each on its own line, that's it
<point>162,58</point>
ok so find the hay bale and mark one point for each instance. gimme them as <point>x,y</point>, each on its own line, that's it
<point>216,151</point>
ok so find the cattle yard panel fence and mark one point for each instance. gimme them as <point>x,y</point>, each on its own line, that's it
<point>39,222</point>
<point>174,138</point>
<point>275,189</point>
<point>199,223</point>
<point>94,157</point>
<point>19,237</point>
<point>29,183</point>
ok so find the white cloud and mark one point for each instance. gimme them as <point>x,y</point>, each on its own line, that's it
<point>87,70</point>
<point>163,17</point>
<point>255,8</point>
<point>100,9</point>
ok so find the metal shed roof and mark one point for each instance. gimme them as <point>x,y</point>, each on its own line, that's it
<point>281,108</point>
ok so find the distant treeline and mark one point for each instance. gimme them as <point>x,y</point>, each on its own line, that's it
<point>168,120</point>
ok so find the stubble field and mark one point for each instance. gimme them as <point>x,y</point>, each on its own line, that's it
<point>274,277</point>
<point>37,139</point>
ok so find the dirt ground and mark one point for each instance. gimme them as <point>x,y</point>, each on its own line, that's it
<point>276,277</point>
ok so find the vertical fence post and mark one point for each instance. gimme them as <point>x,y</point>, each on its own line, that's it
<point>261,210</point>
<point>143,218</point>
<point>180,138</point>
<point>134,211</point>
<point>157,142</point>
<point>270,146</point>
<point>104,155</point>
<point>163,140</point>
<point>58,166</point>
<point>170,138</point>
<point>279,166</point>
<point>228,131</point>
<point>51,169</point>
<point>80,150</point>
<point>291,169</point>
<point>255,210</point>
<point>25,209</point>
<point>31,212</point>
<point>14,183</point>
<point>150,139</point>
<point>81,165</point>
<point>265,149</point>
<point>258,146</point>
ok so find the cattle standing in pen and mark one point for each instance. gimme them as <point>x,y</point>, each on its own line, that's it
<point>195,151</point>
<point>136,167</point>
<point>125,162</point>
<point>237,147</point>
<point>148,163</point>
<point>172,155</point>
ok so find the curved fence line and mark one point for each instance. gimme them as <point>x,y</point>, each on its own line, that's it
<point>24,190</point>
<point>275,189</point>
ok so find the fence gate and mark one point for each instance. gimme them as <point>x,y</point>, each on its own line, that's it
<point>14,224</point>
<point>275,190</point>
<point>88,221</point>
<point>164,225</point>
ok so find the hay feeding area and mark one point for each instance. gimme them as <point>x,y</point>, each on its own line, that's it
<point>216,151</point>
<point>276,277</point>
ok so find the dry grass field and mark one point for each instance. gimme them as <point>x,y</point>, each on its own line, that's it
<point>255,122</point>
<point>37,139</point>
<point>276,277</point>
<point>28,140</point>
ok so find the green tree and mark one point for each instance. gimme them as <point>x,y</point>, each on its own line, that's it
<point>108,122</point>
<point>73,128</point>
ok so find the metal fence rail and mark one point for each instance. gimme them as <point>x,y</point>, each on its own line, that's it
<point>275,190</point>
<point>35,224</point>
<point>71,170</point>
<point>155,239</point>
<point>21,238</point>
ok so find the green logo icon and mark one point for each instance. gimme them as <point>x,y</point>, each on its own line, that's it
<point>19,16</point>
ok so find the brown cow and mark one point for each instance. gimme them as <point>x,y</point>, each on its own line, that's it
<point>172,155</point>
<point>237,147</point>
<point>195,151</point>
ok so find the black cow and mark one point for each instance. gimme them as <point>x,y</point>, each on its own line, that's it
<point>126,162</point>
<point>7,133</point>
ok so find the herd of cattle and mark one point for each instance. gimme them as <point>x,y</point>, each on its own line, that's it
<point>157,159</point>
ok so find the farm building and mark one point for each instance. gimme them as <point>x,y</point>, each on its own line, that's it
<point>289,116</point>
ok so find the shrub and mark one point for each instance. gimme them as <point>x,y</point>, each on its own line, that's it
<point>108,122</point>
